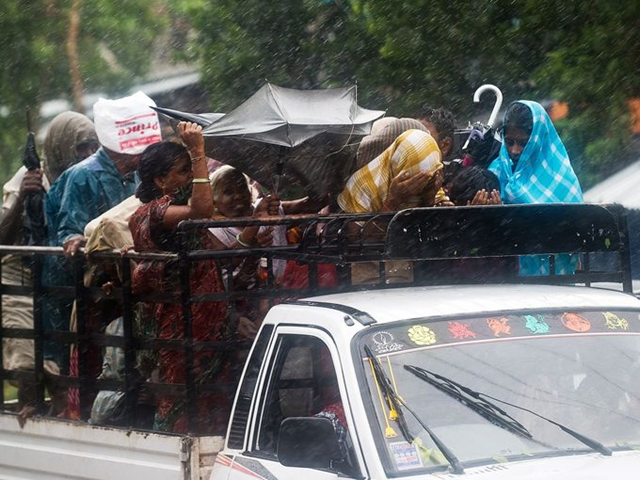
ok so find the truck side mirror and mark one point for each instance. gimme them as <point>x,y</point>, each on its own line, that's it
<point>309,442</point>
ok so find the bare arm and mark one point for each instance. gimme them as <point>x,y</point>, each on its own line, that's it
<point>404,186</point>
<point>201,201</point>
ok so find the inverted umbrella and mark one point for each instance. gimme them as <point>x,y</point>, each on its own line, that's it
<point>33,222</point>
<point>202,119</point>
<point>304,136</point>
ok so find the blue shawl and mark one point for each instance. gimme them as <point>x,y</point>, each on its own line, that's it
<point>543,175</point>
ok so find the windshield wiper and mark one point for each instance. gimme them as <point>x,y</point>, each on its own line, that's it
<point>488,410</point>
<point>396,403</point>
<point>492,412</point>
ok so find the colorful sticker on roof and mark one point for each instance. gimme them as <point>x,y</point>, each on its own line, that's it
<point>461,331</point>
<point>499,326</point>
<point>614,322</point>
<point>421,335</point>
<point>395,339</point>
<point>405,456</point>
<point>575,322</point>
<point>536,324</point>
<point>384,342</point>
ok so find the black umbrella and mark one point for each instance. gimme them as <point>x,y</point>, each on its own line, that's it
<point>202,119</point>
<point>308,137</point>
<point>34,227</point>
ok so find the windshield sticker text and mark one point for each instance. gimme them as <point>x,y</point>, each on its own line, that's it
<point>576,322</point>
<point>405,455</point>
<point>460,331</point>
<point>614,322</point>
<point>499,326</point>
<point>536,324</point>
<point>384,342</point>
<point>421,335</point>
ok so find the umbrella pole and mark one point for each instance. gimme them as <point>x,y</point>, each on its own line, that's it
<point>279,171</point>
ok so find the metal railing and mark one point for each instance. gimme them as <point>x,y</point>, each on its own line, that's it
<point>421,236</point>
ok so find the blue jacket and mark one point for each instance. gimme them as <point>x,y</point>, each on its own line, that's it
<point>84,192</point>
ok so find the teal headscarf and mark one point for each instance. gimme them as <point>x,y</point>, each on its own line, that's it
<point>543,175</point>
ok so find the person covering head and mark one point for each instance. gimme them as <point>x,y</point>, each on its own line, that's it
<point>413,152</point>
<point>383,134</point>
<point>71,137</point>
<point>127,125</point>
<point>533,166</point>
<point>88,189</point>
<point>468,186</point>
<point>441,124</point>
<point>167,171</point>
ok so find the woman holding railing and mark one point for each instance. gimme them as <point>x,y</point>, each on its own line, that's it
<point>170,175</point>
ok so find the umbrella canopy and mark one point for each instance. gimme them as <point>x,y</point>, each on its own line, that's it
<point>202,119</point>
<point>309,137</point>
<point>481,145</point>
<point>288,117</point>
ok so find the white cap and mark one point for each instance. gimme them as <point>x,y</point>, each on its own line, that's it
<point>127,125</point>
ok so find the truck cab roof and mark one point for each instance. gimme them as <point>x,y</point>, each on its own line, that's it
<point>394,304</point>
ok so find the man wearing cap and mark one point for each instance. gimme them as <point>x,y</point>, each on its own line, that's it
<point>124,127</point>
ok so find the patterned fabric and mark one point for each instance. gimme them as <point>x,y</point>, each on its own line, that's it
<point>414,151</point>
<point>543,175</point>
<point>208,321</point>
<point>383,134</point>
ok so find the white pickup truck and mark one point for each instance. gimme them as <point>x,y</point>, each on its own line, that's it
<point>568,353</point>
<point>431,382</point>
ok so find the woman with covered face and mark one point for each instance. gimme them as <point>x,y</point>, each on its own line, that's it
<point>534,167</point>
<point>170,176</point>
<point>403,169</point>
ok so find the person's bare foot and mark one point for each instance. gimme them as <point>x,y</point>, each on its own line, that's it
<point>26,412</point>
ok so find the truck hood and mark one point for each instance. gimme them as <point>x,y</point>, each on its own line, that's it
<point>620,466</point>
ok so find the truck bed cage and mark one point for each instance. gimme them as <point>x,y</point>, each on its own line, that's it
<point>440,245</point>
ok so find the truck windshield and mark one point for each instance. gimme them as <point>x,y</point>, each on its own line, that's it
<point>576,368</point>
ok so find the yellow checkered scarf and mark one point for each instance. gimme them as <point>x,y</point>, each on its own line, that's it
<point>366,190</point>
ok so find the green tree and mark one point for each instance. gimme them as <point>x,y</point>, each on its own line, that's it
<point>113,45</point>
<point>594,66</point>
<point>405,54</point>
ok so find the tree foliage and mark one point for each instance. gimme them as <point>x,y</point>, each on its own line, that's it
<point>405,54</point>
<point>594,66</point>
<point>114,44</point>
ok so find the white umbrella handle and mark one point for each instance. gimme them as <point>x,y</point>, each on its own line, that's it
<point>496,107</point>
